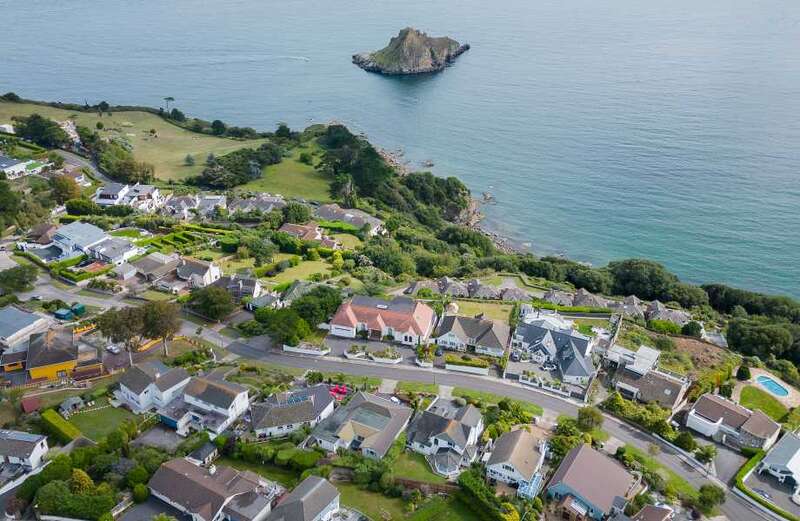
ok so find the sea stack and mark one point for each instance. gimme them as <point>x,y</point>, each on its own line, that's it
<point>411,52</point>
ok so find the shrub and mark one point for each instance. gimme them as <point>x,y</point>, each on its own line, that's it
<point>466,360</point>
<point>743,373</point>
<point>664,326</point>
<point>140,493</point>
<point>58,427</point>
<point>692,328</point>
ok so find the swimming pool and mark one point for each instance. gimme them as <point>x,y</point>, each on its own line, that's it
<point>772,386</point>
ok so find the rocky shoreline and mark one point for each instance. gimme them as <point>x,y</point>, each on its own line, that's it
<point>366,62</point>
<point>411,52</point>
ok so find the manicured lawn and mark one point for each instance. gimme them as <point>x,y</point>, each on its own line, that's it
<point>372,504</point>
<point>282,475</point>
<point>209,254</point>
<point>349,242</point>
<point>411,465</point>
<point>353,381</point>
<point>233,265</point>
<point>166,151</point>
<point>441,509</point>
<point>755,398</point>
<point>291,178</point>
<point>493,310</point>
<point>300,272</point>
<point>156,296</point>
<point>585,325</point>
<point>416,387</point>
<point>130,233</point>
<point>673,481</point>
<point>96,424</point>
<point>490,398</point>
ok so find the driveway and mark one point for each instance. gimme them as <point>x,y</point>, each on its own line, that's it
<point>728,462</point>
<point>150,508</point>
<point>161,437</point>
<point>780,493</point>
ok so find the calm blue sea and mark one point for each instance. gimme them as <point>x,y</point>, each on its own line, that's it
<point>661,129</point>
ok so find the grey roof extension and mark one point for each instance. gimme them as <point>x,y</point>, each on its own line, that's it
<point>476,331</point>
<point>311,497</point>
<point>298,406</point>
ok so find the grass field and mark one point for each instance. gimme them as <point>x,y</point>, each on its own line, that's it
<point>754,398</point>
<point>489,398</point>
<point>372,504</point>
<point>233,265</point>
<point>97,424</point>
<point>411,465</point>
<point>349,242</point>
<point>156,296</point>
<point>300,272</point>
<point>291,178</point>
<point>673,481</point>
<point>441,509</point>
<point>166,152</point>
<point>129,233</point>
<point>416,387</point>
<point>284,476</point>
<point>493,310</point>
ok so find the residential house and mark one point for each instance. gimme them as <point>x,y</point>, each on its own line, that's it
<point>658,311</point>
<point>368,424</point>
<point>310,232</point>
<point>156,266</point>
<point>265,300</point>
<point>631,306</point>
<point>585,298</point>
<point>590,485</point>
<point>357,218</point>
<point>283,413</point>
<point>405,320</point>
<point>204,455</point>
<point>213,494</point>
<point>559,298</point>
<point>146,198</point>
<point>478,289</point>
<point>125,271</point>
<point>22,448</point>
<point>727,422</point>
<point>198,273</point>
<point>417,285</point>
<point>181,206</point>
<point>514,295</point>
<point>637,377</point>
<point>313,499</point>
<point>208,203</point>
<point>262,202</point>
<point>14,168</point>
<point>485,336</point>
<point>207,404</point>
<point>452,287</point>
<point>516,459</point>
<point>77,238</point>
<point>297,289</point>
<point>568,350</point>
<point>17,324</point>
<point>448,439</point>
<point>240,287</point>
<point>115,250</point>
<point>783,462</point>
<point>111,194</point>
<point>77,174</point>
<point>151,385</point>
<point>52,355</point>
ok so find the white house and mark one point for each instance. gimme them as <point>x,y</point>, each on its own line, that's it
<point>146,198</point>
<point>17,324</point>
<point>115,250</point>
<point>14,168</point>
<point>517,459</point>
<point>567,349</point>
<point>22,448</point>
<point>283,413</point>
<point>197,273</point>
<point>207,404</point>
<point>151,385</point>
<point>314,499</point>
<point>402,319</point>
<point>448,439</point>
<point>730,423</point>
<point>77,238</point>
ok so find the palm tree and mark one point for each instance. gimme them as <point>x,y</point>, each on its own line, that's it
<point>169,99</point>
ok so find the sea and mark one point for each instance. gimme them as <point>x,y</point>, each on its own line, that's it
<point>602,130</point>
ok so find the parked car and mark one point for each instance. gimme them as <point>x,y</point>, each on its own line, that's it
<point>549,367</point>
<point>762,493</point>
<point>36,297</point>
<point>439,351</point>
<point>514,357</point>
<point>114,350</point>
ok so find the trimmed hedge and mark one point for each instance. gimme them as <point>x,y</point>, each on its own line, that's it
<point>573,309</point>
<point>466,360</point>
<point>58,427</point>
<point>747,467</point>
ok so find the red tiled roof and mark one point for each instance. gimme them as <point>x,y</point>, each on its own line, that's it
<point>408,316</point>
<point>30,404</point>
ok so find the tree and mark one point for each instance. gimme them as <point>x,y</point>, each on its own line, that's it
<point>212,302</point>
<point>64,188</point>
<point>40,130</point>
<point>589,418</point>
<point>56,159</point>
<point>80,482</point>
<point>218,127</point>
<point>692,328</point>
<point>283,131</point>
<point>743,373</point>
<point>188,160</point>
<point>161,320</point>
<point>83,207</point>
<point>99,125</point>
<point>706,453</point>
<point>122,326</point>
<point>710,496</point>
<point>285,326</point>
<point>19,278</point>
<point>686,441</point>
<point>168,100</point>
<point>211,159</point>
<point>296,213</point>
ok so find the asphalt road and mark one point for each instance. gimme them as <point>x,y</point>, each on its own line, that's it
<point>734,508</point>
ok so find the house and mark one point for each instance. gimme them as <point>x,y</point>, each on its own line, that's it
<point>448,439</point>
<point>367,423</point>
<point>514,295</point>
<point>151,385</point>
<point>309,232</point>
<point>181,206</point>
<point>197,273</point>
<point>640,360</point>
<point>52,355</point>
<point>213,494</point>
<point>156,266</point>
<point>71,405</point>
<point>559,298</point>
<point>452,287</point>
<point>783,462</point>
<point>22,448</point>
<point>357,218</point>
<point>283,413</point>
<point>478,289</point>
<point>297,289</point>
<point>207,404</point>
<point>114,250</point>
<point>17,324</point>
<point>265,300</point>
<point>111,194</point>
<point>313,499</point>
<point>77,238</point>
<point>568,350</point>
<point>590,485</point>
<point>631,306</point>
<point>658,311</point>
<point>14,168</point>
<point>727,422</point>
<point>516,459</point>
<point>402,319</point>
<point>77,174</point>
<point>42,233</point>
<point>418,285</point>
<point>487,337</point>
<point>654,386</point>
<point>204,455</point>
<point>240,287</point>
<point>146,198</point>
<point>262,202</point>
<point>587,299</point>
<point>30,404</point>
<point>208,203</point>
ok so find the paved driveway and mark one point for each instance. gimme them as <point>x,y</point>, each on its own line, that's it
<point>781,493</point>
<point>159,436</point>
<point>150,508</point>
<point>728,462</point>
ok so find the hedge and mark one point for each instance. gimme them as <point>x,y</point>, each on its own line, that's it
<point>58,427</point>
<point>85,275</point>
<point>339,226</point>
<point>465,360</point>
<point>31,257</point>
<point>747,467</point>
<point>572,309</point>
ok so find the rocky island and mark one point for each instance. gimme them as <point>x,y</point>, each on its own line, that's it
<point>411,52</point>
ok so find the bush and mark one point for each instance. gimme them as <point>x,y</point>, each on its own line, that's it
<point>58,427</point>
<point>693,329</point>
<point>664,326</point>
<point>140,493</point>
<point>743,373</point>
<point>465,360</point>
<point>686,441</point>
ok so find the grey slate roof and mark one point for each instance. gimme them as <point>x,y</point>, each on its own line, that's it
<point>138,377</point>
<point>484,332</point>
<point>306,501</point>
<point>113,247</point>
<point>518,448</point>
<point>216,392</point>
<point>429,424</point>
<point>17,443</point>
<point>569,348</point>
<point>82,234</point>
<point>355,217</point>
<point>654,386</point>
<point>785,454</point>
<point>189,267</point>
<point>8,162</point>
<point>296,406</point>
<point>13,319</point>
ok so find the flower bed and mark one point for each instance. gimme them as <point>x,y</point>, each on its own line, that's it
<point>387,356</point>
<point>307,349</point>
<point>467,364</point>
<point>356,352</point>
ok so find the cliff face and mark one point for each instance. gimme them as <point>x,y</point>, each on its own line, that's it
<point>411,52</point>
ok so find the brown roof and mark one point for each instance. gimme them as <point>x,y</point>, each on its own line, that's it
<point>596,477</point>
<point>55,346</point>
<point>760,425</point>
<point>652,513</point>
<point>306,232</point>
<point>216,392</point>
<point>199,491</point>
<point>655,386</point>
<point>713,407</point>
<point>30,404</point>
<point>520,448</point>
<point>401,314</point>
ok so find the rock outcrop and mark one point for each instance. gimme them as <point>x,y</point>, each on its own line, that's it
<point>411,52</point>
